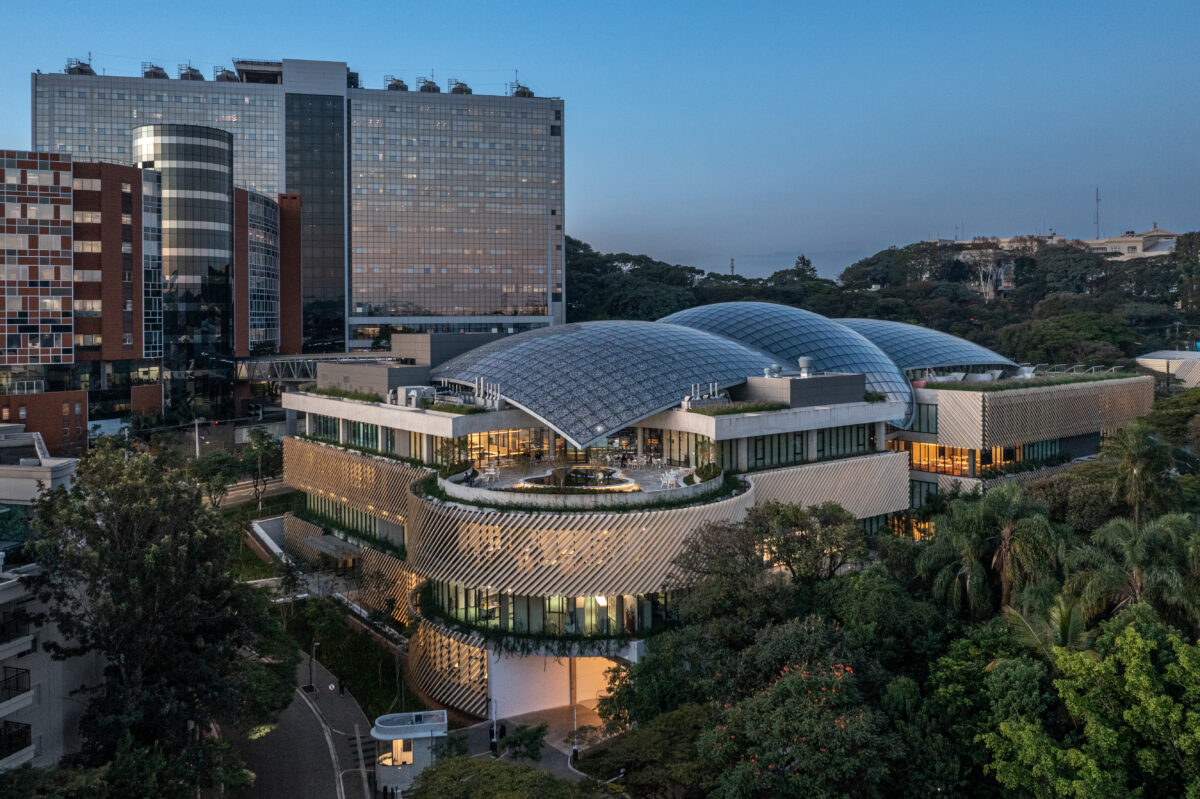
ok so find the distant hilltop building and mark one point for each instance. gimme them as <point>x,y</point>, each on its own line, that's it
<point>1153,243</point>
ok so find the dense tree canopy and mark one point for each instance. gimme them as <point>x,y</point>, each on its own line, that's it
<point>135,570</point>
<point>1068,305</point>
<point>1041,644</point>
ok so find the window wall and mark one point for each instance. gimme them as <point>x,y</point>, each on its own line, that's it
<point>937,459</point>
<point>763,452</point>
<point>326,428</point>
<point>343,516</point>
<point>555,615</point>
<point>838,442</point>
<point>363,435</point>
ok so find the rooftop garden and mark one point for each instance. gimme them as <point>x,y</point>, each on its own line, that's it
<point>450,407</point>
<point>1036,382</point>
<point>743,406</point>
<point>338,393</point>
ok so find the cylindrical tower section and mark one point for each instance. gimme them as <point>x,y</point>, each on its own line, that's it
<point>196,164</point>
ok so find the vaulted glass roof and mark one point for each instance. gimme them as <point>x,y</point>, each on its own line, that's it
<point>589,379</point>
<point>913,347</point>
<point>790,333</point>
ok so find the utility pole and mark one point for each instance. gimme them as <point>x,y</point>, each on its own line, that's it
<point>1097,220</point>
<point>197,423</point>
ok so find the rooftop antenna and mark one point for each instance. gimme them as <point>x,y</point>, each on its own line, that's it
<point>1097,219</point>
<point>731,266</point>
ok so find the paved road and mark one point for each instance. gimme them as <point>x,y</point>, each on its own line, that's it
<point>244,492</point>
<point>311,751</point>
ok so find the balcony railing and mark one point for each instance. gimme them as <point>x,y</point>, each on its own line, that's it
<point>15,683</point>
<point>12,628</point>
<point>14,737</point>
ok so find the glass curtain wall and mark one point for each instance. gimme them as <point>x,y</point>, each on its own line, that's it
<point>196,165</point>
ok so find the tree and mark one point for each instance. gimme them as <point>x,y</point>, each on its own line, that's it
<point>659,758</point>
<point>137,572</point>
<point>811,544</point>
<point>475,778</point>
<point>809,733</point>
<point>1141,459</point>
<point>804,268</point>
<point>1134,726</point>
<point>1064,626</point>
<point>215,471</point>
<point>1124,565</point>
<point>262,459</point>
<point>1003,530</point>
<point>525,742</point>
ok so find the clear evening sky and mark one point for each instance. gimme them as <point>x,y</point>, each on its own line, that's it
<point>702,131</point>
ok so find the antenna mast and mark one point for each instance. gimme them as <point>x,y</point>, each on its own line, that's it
<point>731,266</point>
<point>1097,219</point>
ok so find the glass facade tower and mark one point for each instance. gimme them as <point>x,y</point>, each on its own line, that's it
<point>196,168</point>
<point>422,210</point>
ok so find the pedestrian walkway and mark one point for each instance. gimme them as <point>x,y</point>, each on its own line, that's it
<point>556,751</point>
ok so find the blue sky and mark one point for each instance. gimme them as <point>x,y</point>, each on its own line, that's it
<point>702,131</point>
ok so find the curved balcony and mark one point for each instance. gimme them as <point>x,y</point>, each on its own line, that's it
<point>629,488</point>
<point>556,553</point>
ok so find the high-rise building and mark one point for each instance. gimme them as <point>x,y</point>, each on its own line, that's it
<point>428,210</point>
<point>115,277</point>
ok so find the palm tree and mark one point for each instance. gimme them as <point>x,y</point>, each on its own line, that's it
<point>1003,529</point>
<point>1125,564</point>
<point>1064,626</point>
<point>1140,459</point>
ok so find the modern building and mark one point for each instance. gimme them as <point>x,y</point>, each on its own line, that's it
<point>598,448</point>
<point>980,420</point>
<point>1182,367</point>
<point>39,716</point>
<point>100,289</point>
<point>429,210</point>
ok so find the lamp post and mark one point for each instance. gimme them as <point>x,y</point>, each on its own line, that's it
<point>311,658</point>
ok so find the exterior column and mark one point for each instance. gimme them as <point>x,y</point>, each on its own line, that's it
<point>403,443</point>
<point>641,441</point>
<point>810,445</point>
<point>743,455</point>
<point>343,431</point>
<point>290,424</point>
<point>880,436</point>
<point>427,453</point>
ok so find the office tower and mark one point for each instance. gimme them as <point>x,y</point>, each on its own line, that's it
<point>108,275</point>
<point>196,168</point>
<point>427,210</point>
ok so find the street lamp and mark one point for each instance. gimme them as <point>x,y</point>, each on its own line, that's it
<point>311,658</point>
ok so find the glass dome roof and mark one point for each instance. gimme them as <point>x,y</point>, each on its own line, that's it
<point>590,379</point>
<point>914,347</point>
<point>790,333</point>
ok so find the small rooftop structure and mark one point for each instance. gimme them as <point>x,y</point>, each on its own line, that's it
<point>405,746</point>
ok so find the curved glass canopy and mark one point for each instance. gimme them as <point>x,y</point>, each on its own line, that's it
<point>791,333</point>
<point>913,347</point>
<point>589,379</point>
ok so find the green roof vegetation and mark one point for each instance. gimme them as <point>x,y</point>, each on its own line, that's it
<point>744,406</point>
<point>350,395</point>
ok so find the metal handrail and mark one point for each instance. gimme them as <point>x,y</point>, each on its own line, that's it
<point>14,737</point>
<point>15,683</point>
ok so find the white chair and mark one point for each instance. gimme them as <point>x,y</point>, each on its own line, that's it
<point>665,480</point>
